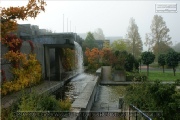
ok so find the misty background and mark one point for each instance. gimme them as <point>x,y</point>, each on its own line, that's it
<point>111,16</point>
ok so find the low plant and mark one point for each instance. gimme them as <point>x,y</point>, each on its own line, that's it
<point>65,105</point>
<point>134,76</point>
<point>27,75</point>
<point>33,102</point>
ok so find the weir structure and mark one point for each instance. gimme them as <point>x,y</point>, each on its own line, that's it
<point>53,53</point>
<point>49,52</point>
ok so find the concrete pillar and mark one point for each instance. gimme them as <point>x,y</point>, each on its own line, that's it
<point>47,62</point>
<point>58,65</point>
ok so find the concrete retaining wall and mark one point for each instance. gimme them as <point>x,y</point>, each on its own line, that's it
<point>83,104</point>
<point>26,48</point>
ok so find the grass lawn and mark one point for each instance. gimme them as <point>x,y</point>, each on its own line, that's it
<point>159,75</point>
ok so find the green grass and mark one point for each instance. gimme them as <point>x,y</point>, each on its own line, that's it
<point>159,75</point>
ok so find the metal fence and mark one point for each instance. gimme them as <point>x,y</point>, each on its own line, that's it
<point>136,114</point>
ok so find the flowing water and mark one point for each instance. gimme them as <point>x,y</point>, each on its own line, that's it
<point>79,58</point>
<point>77,85</point>
<point>108,98</point>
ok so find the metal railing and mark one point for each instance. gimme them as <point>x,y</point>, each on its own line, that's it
<point>138,114</point>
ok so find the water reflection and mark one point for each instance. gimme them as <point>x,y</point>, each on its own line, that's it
<point>108,98</point>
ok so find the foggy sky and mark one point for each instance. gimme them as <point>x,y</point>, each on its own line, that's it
<point>111,16</point>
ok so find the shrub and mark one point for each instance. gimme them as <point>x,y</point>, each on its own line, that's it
<point>140,77</point>
<point>29,74</point>
<point>48,103</point>
<point>36,103</point>
<point>65,105</point>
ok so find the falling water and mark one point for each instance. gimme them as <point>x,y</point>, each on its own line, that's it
<point>79,57</point>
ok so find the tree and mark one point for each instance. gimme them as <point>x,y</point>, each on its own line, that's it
<point>98,34</point>
<point>120,60</point>
<point>119,45</point>
<point>11,14</point>
<point>134,38</point>
<point>172,60</point>
<point>26,69</point>
<point>149,41</point>
<point>147,58</point>
<point>106,55</point>
<point>93,57</point>
<point>177,47</point>
<point>106,44</point>
<point>159,32</point>
<point>89,42</point>
<point>162,60</point>
<point>162,48</point>
<point>129,64</point>
<point>155,96</point>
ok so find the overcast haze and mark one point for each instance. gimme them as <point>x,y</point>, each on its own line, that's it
<point>111,16</point>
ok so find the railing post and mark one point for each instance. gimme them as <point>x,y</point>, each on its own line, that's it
<point>129,112</point>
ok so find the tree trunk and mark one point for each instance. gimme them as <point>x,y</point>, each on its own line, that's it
<point>163,68</point>
<point>174,70</point>
<point>147,70</point>
<point>140,66</point>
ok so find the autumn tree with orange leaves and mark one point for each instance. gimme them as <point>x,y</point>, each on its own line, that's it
<point>26,68</point>
<point>97,57</point>
<point>93,57</point>
<point>11,14</point>
<point>9,17</point>
<point>107,57</point>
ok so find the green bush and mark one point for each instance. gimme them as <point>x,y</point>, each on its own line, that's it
<point>65,105</point>
<point>140,77</point>
<point>48,103</point>
<point>35,102</point>
<point>155,96</point>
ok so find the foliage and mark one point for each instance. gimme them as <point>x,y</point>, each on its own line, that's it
<point>155,96</point>
<point>12,42</point>
<point>162,60</point>
<point>158,36</point>
<point>166,98</point>
<point>176,47</point>
<point>15,58</point>
<point>93,57</point>
<point>161,48</point>
<point>134,39</point>
<point>32,45</point>
<point>3,76</point>
<point>120,60</point>
<point>106,44</point>
<point>119,45</point>
<point>11,14</point>
<point>129,63</point>
<point>68,59</point>
<point>106,55</point>
<point>133,76</point>
<point>65,105</point>
<point>48,103</point>
<point>89,42</point>
<point>26,69</point>
<point>147,58</point>
<point>172,59</point>
<point>29,102</point>
<point>28,74</point>
<point>98,34</point>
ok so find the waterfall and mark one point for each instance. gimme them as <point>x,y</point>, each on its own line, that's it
<point>79,58</point>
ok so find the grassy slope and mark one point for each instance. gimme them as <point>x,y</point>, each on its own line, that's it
<point>167,76</point>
